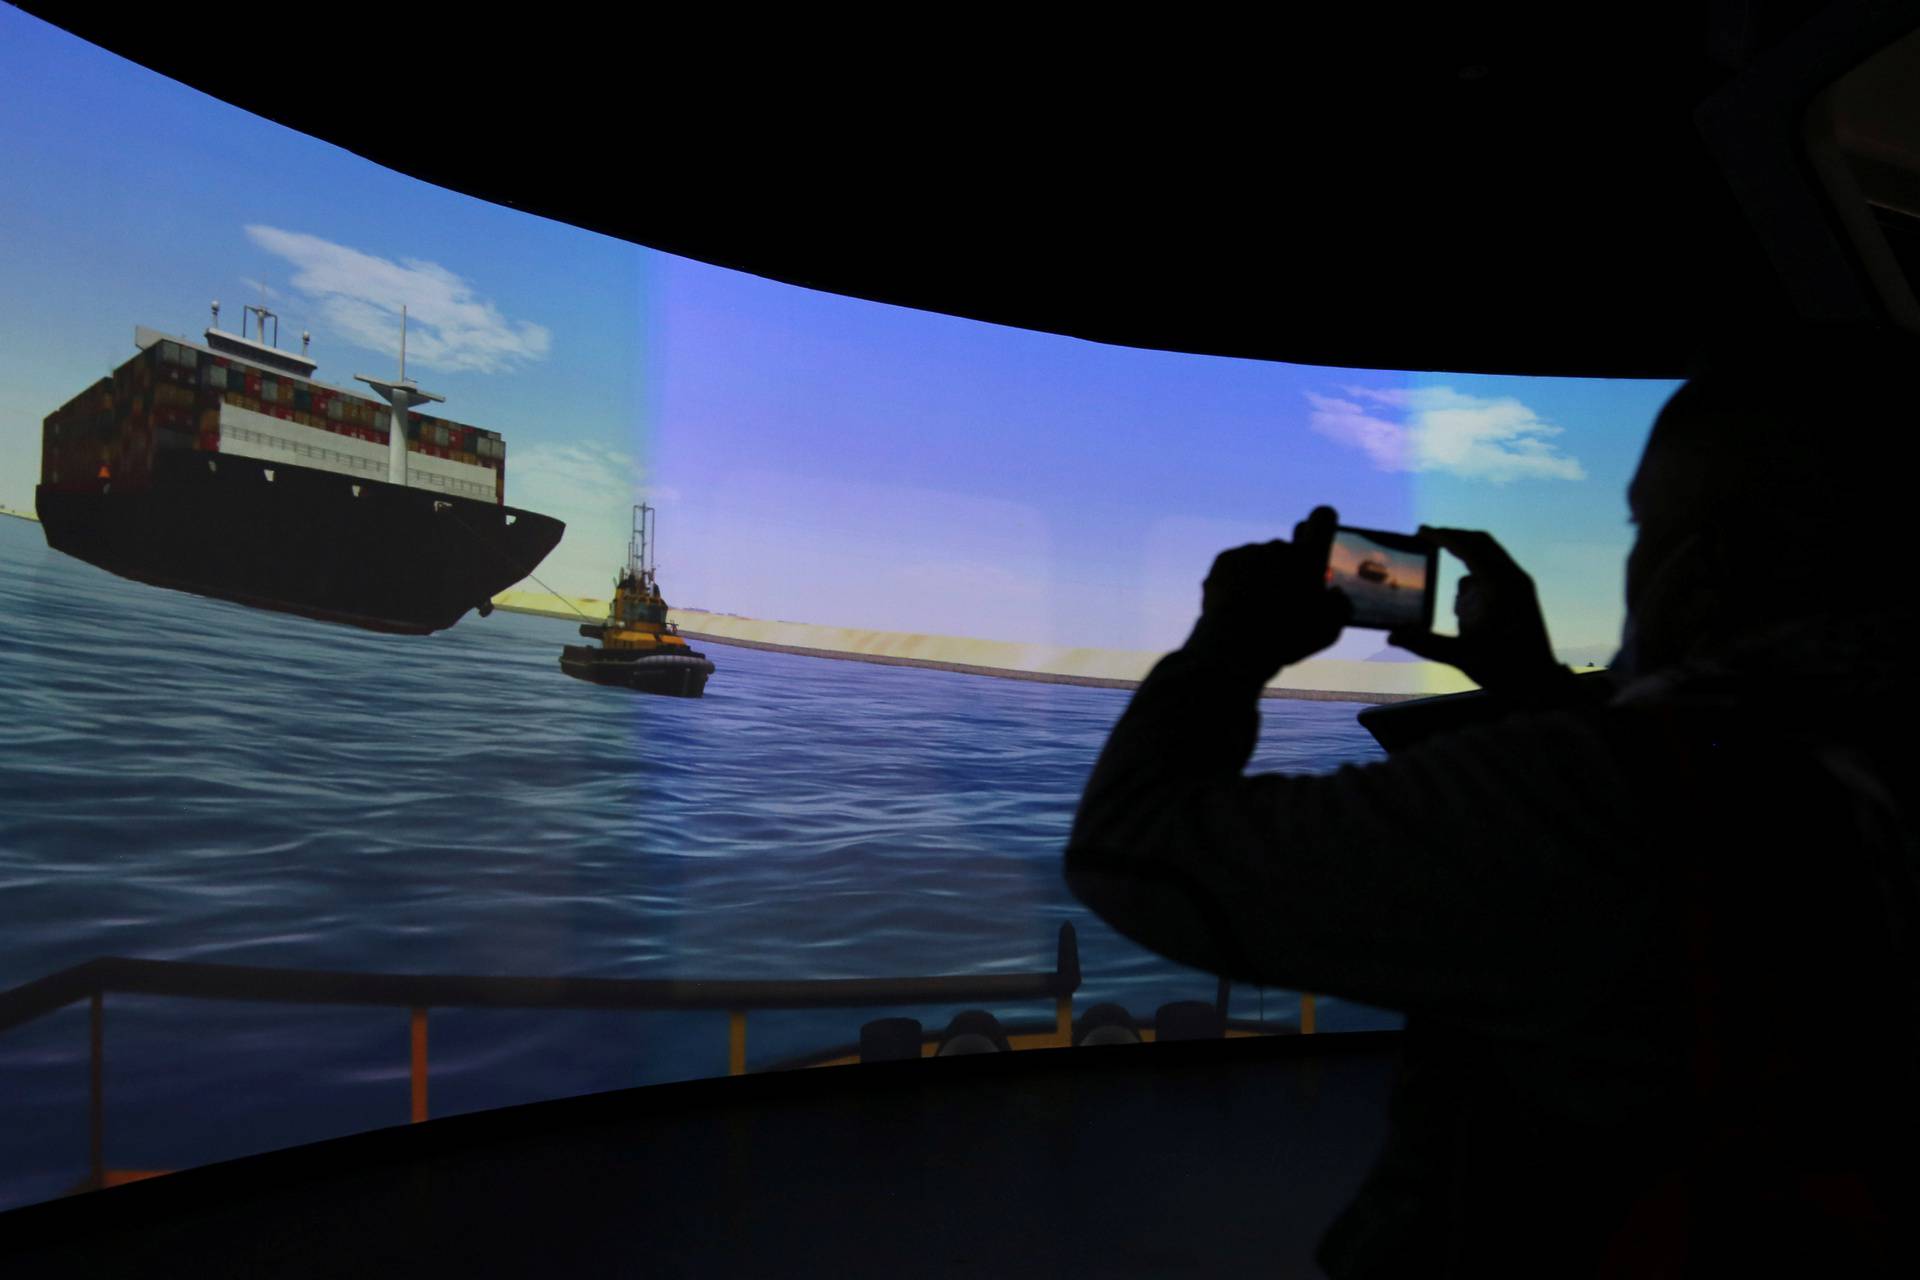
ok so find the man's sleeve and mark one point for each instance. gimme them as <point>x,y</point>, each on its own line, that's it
<point>1487,876</point>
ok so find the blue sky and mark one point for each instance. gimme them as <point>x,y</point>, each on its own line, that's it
<point>814,458</point>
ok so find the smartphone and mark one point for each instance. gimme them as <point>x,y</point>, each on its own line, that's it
<point>1390,577</point>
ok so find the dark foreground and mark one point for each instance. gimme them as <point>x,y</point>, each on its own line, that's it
<point>1203,1158</point>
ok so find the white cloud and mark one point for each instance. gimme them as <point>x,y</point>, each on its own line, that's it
<point>1440,429</point>
<point>359,296</point>
<point>580,474</point>
<point>259,289</point>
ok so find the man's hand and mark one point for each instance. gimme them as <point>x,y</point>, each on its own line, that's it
<point>1267,605</point>
<point>1503,639</point>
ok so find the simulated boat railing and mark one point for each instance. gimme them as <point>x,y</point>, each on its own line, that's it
<point>94,980</point>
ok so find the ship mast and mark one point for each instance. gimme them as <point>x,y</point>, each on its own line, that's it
<point>402,394</point>
<point>640,547</point>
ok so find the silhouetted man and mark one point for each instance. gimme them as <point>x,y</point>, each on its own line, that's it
<point>1655,953</point>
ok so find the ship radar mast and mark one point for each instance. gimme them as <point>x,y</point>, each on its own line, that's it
<point>260,317</point>
<point>402,394</point>
<point>640,548</point>
<point>256,345</point>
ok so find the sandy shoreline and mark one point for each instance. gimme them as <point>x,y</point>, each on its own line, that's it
<point>1039,677</point>
<point>1318,680</point>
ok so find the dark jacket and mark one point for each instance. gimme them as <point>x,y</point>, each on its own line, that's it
<point>1578,908</point>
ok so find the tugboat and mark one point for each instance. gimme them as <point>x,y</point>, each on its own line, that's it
<point>639,649</point>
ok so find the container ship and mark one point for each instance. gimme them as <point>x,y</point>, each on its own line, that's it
<point>224,468</point>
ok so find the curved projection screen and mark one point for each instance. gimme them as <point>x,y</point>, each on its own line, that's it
<point>260,721</point>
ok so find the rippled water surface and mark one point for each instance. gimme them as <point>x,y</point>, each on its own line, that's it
<point>186,779</point>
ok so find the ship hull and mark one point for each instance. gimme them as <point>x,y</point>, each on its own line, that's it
<point>679,675</point>
<point>303,541</point>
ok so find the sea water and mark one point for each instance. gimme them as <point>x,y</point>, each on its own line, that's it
<point>186,779</point>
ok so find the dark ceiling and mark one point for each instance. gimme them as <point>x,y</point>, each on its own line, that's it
<point>1473,192</point>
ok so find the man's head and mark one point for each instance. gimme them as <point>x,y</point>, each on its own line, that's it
<point>1777,484</point>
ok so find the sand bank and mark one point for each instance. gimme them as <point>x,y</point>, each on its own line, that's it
<point>1319,679</point>
<point>571,608</point>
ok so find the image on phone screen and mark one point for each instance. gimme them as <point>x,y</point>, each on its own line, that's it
<point>1389,578</point>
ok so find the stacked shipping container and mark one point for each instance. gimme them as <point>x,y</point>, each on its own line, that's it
<point>169,397</point>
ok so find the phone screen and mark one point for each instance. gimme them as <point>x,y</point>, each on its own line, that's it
<point>1390,578</point>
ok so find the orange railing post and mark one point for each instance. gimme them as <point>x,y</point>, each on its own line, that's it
<point>1307,1012</point>
<point>737,1042</point>
<point>417,993</point>
<point>97,1093</point>
<point>418,1073</point>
